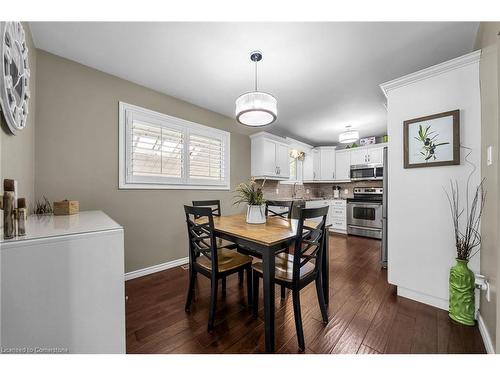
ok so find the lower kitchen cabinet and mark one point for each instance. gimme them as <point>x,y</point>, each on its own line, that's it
<point>337,213</point>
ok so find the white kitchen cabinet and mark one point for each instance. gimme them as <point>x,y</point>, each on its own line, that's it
<point>267,162</point>
<point>313,166</point>
<point>358,156</point>
<point>320,203</point>
<point>343,165</point>
<point>316,165</point>
<point>327,163</point>
<point>367,155</point>
<point>269,157</point>
<point>63,284</point>
<point>338,216</point>
<point>337,211</point>
<point>308,166</point>
<point>283,160</point>
<point>375,155</point>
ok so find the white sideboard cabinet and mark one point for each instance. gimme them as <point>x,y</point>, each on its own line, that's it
<point>62,286</point>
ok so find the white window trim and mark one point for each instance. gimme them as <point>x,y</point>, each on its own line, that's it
<point>299,175</point>
<point>187,127</point>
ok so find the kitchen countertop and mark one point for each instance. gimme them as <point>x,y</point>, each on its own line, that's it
<point>45,226</point>
<point>305,199</point>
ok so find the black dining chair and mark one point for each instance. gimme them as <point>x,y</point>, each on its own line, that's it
<point>213,204</point>
<point>271,210</point>
<point>206,258</point>
<point>302,268</point>
<point>216,211</point>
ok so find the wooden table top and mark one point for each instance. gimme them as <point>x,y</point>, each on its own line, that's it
<point>274,231</point>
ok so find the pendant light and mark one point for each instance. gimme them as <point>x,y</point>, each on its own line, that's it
<point>256,108</point>
<point>349,136</point>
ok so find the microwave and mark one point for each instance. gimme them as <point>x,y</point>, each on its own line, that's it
<point>367,172</point>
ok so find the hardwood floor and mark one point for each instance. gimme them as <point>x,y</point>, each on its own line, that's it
<point>366,315</point>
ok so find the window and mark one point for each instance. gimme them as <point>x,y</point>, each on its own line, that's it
<point>296,162</point>
<point>293,168</point>
<point>296,172</point>
<point>163,152</point>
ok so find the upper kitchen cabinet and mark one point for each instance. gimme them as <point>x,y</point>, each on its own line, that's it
<point>358,156</point>
<point>367,155</point>
<point>319,164</point>
<point>327,163</point>
<point>316,165</point>
<point>312,166</point>
<point>270,157</point>
<point>283,160</point>
<point>343,165</point>
<point>375,155</point>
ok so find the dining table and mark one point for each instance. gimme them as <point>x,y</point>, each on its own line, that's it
<point>265,241</point>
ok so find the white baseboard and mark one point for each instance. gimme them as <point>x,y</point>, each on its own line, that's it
<point>488,344</point>
<point>157,268</point>
<point>424,298</point>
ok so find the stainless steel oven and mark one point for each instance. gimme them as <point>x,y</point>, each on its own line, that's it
<point>364,212</point>
<point>367,172</point>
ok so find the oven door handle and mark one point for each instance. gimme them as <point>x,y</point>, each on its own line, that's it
<point>365,228</point>
<point>365,205</point>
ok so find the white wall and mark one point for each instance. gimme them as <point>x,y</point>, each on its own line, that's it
<point>420,239</point>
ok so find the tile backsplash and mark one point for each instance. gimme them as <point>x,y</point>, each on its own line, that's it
<point>275,189</point>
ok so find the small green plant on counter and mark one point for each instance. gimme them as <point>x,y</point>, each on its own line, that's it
<point>42,207</point>
<point>249,193</point>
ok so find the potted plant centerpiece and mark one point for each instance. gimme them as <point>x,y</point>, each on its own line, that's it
<point>467,242</point>
<point>251,194</point>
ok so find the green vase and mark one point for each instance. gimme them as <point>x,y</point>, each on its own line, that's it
<point>462,285</point>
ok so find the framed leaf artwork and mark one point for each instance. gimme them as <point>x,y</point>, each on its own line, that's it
<point>432,141</point>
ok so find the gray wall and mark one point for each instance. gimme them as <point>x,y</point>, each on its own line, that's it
<point>77,156</point>
<point>17,153</point>
<point>487,40</point>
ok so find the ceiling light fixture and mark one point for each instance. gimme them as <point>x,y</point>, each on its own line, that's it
<point>256,108</point>
<point>349,136</point>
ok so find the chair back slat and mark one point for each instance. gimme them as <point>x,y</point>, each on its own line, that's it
<point>201,234</point>
<point>213,204</point>
<point>309,243</point>
<point>270,210</point>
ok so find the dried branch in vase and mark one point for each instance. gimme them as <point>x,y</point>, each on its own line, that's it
<point>467,235</point>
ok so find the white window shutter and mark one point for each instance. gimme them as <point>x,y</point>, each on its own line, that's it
<point>156,151</point>
<point>206,158</point>
<point>164,152</point>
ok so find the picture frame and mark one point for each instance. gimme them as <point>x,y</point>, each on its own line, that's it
<point>432,141</point>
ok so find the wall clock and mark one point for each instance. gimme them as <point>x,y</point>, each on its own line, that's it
<point>14,75</point>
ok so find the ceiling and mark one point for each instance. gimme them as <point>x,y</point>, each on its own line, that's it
<point>324,75</point>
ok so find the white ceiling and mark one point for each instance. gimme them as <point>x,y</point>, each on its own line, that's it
<point>324,75</point>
